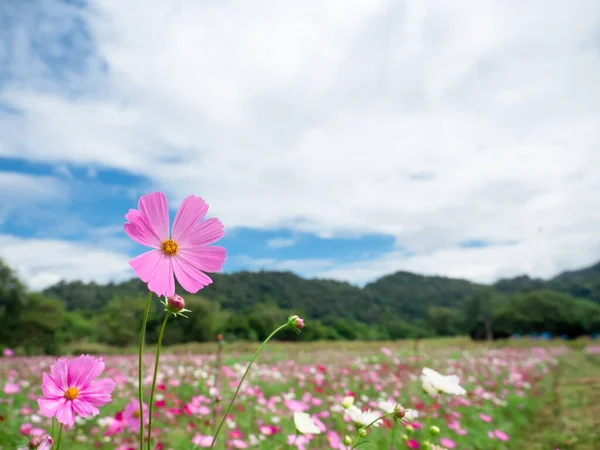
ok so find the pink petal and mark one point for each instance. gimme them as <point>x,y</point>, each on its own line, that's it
<point>84,370</point>
<point>84,408</point>
<point>201,234</point>
<point>190,212</point>
<point>139,229</point>
<point>46,443</point>
<point>154,207</point>
<point>64,414</point>
<point>156,269</point>
<point>207,259</point>
<point>98,393</point>
<point>49,387</point>
<point>190,277</point>
<point>49,406</point>
<point>60,373</point>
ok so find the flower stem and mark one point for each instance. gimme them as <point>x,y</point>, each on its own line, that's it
<point>59,436</point>
<point>140,368</point>
<point>151,404</point>
<point>356,439</point>
<point>242,381</point>
<point>53,430</point>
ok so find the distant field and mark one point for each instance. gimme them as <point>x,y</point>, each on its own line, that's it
<point>521,395</point>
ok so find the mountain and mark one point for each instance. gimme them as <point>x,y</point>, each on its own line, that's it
<point>401,294</point>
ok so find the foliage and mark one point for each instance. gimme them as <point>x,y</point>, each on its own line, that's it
<point>247,306</point>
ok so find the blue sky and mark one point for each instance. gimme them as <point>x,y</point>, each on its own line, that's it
<point>345,141</point>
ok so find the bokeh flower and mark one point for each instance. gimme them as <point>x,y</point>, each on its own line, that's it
<point>131,415</point>
<point>185,253</point>
<point>72,388</point>
<point>435,383</point>
<point>304,424</point>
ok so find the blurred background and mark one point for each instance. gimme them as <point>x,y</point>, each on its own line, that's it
<point>387,169</point>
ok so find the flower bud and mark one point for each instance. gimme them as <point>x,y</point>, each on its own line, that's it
<point>296,322</point>
<point>219,337</point>
<point>175,303</point>
<point>347,440</point>
<point>409,429</point>
<point>434,430</point>
<point>347,402</point>
<point>399,412</point>
<point>362,432</point>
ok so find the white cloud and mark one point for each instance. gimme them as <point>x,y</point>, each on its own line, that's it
<point>281,242</point>
<point>435,122</point>
<point>43,262</point>
<point>24,194</point>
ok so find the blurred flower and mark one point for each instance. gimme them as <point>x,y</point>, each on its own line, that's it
<point>131,415</point>
<point>72,389</point>
<point>363,418</point>
<point>304,424</point>
<point>185,253</point>
<point>11,388</point>
<point>347,402</point>
<point>435,383</point>
<point>8,352</point>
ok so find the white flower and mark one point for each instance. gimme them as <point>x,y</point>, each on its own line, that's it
<point>435,383</point>
<point>411,415</point>
<point>304,424</point>
<point>363,418</point>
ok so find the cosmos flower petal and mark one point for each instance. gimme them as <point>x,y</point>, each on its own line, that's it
<point>98,393</point>
<point>155,268</point>
<point>60,373</point>
<point>139,229</point>
<point>49,387</point>
<point>64,414</point>
<point>203,233</point>
<point>163,282</point>
<point>49,406</point>
<point>191,278</point>
<point>190,212</point>
<point>154,206</point>
<point>84,408</point>
<point>46,443</point>
<point>83,370</point>
<point>207,259</point>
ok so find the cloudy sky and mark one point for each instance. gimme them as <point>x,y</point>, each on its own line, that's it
<point>334,138</point>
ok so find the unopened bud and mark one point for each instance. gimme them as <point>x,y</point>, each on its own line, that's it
<point>219,337</point>
<point>434,430</point>
<point>175,305</point>
<point>347,402</point>
<point>409,429</point>
<point>399,412</point>
<point>362,432</point>
<point>296,322</point>
<point>347,440</point>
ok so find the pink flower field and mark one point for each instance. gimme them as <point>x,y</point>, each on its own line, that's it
<point>503,391</point>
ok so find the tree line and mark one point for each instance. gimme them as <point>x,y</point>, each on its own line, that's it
<point>249,305</point>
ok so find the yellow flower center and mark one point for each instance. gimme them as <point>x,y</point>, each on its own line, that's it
<point>71,393</point>
<point>136,414</point>
<point>170,247</point>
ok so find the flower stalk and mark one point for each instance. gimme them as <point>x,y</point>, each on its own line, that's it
<point>140,369</point>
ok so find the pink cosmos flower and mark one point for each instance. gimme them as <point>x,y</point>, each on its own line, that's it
<point>501,435</point>
<point>447,442</point>
<point>11,388</point>
<point>8,352</point>
<point>184,253</point>
<point>202,440</point>
<point>131,415</point>
<point>72,389</point>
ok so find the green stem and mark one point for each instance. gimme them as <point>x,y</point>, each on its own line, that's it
<point>242,381</point>
<point>53,430</point>
<point>369,426</point>
<point>59,436</point>
<point>393,438</point>
<point>151,405</point>
<point>140,369</point>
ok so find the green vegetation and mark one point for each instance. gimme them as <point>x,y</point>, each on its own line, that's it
<point>248,305</point>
